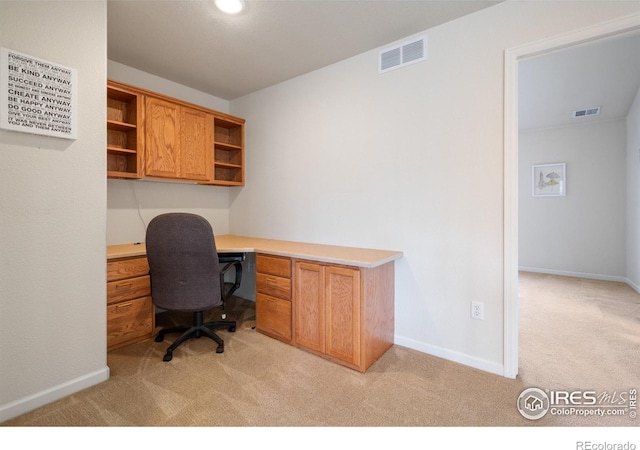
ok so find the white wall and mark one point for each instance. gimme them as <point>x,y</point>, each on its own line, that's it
<point>52,219</point>
<point>633,194</point>
<point>410,160</point>
<point>584,232</point>
<point>132,204</point>
<point>134,77</point>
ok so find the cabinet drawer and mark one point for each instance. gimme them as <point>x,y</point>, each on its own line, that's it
<point>275,286</point>
<point>273,317</point>
<point>129,321</point>
<point>127,289</point>
<point>273,265</point>
<point>127,268</point>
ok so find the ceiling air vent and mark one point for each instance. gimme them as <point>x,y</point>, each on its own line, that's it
<point>594,111</point>
<point>403,54</point>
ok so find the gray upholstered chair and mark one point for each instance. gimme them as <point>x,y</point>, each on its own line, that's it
<point>186,275</point>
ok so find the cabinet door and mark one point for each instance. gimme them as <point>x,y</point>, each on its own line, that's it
<point>342,302</point>
<point>162,139</point>
<point>196,144</point>
<point>308,308</point>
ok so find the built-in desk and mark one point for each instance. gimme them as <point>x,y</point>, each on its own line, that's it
<point>334,301</point>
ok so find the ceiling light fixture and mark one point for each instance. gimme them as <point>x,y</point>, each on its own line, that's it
<point>230,6</point>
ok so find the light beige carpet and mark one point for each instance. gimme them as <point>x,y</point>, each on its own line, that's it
<point>575,334</point>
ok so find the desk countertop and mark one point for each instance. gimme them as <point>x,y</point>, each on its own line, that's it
<point>352,256</point>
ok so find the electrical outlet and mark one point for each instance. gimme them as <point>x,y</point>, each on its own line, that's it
<point>477,310</point>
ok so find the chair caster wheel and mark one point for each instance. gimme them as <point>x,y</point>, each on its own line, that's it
<point>168,357</point>
<point>232,328</point>
<point>220,349</point>
<point>159,338</point>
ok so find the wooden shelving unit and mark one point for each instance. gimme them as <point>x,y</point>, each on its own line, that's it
<point>153,136</point>
<point>124,132</point>
<point>228,161</point>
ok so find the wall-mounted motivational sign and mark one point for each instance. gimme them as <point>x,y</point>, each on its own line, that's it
<point>37,96</point>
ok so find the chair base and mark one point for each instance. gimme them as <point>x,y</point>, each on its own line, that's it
<point>197,330</point>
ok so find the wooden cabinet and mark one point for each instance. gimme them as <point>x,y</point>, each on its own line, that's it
<point>124,132</point>
<point>130,311</point>
<point>162,152</point>
<point>273,296</point>
<point>228,161</point>
<point>342,313</point>
<point>196,143</point>
<point>327,310</point>
<point>150,135</point>
<point>342,310</point>
<point>179,141</point>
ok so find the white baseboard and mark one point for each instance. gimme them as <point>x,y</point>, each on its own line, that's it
<point>24,405</point>
<point>590,276</point>
<point>633,285</point>
<point>568,273</point>
<point>457,357</point>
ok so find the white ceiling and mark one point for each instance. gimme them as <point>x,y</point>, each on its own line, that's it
<point>603,73</point>
<point>194,44</point>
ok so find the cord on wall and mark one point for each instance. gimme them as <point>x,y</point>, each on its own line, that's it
<point>135,195</point>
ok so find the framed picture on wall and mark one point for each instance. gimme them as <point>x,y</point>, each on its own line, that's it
<point>549,180</point>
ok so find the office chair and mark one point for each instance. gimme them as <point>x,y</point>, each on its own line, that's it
<point>186,276</point>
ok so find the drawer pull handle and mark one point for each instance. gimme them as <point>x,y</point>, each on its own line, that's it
<point>122,286</point>
<point>123,307</point>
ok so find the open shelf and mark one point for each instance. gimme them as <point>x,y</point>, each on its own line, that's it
<point>228,153</point>
<point>123,134</point>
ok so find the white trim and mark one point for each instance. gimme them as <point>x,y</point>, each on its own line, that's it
<point>569,273</point>
<point>457,357</point>
<point>510,241</point>
<point>588,276</point>
<point>26,404</point>
<point>512,58</point>
<point>634,286</point>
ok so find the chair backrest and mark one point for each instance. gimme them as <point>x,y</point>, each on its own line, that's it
<point>183,263</point>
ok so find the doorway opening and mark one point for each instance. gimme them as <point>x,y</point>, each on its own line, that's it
<point>511,129</point>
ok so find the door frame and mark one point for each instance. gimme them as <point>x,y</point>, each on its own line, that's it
<point>512,57</point>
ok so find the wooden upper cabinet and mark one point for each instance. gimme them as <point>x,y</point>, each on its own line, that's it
<point>196,142</point>
<point>166,138</point>
<point>162,139</point>
<point>179,141</point>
